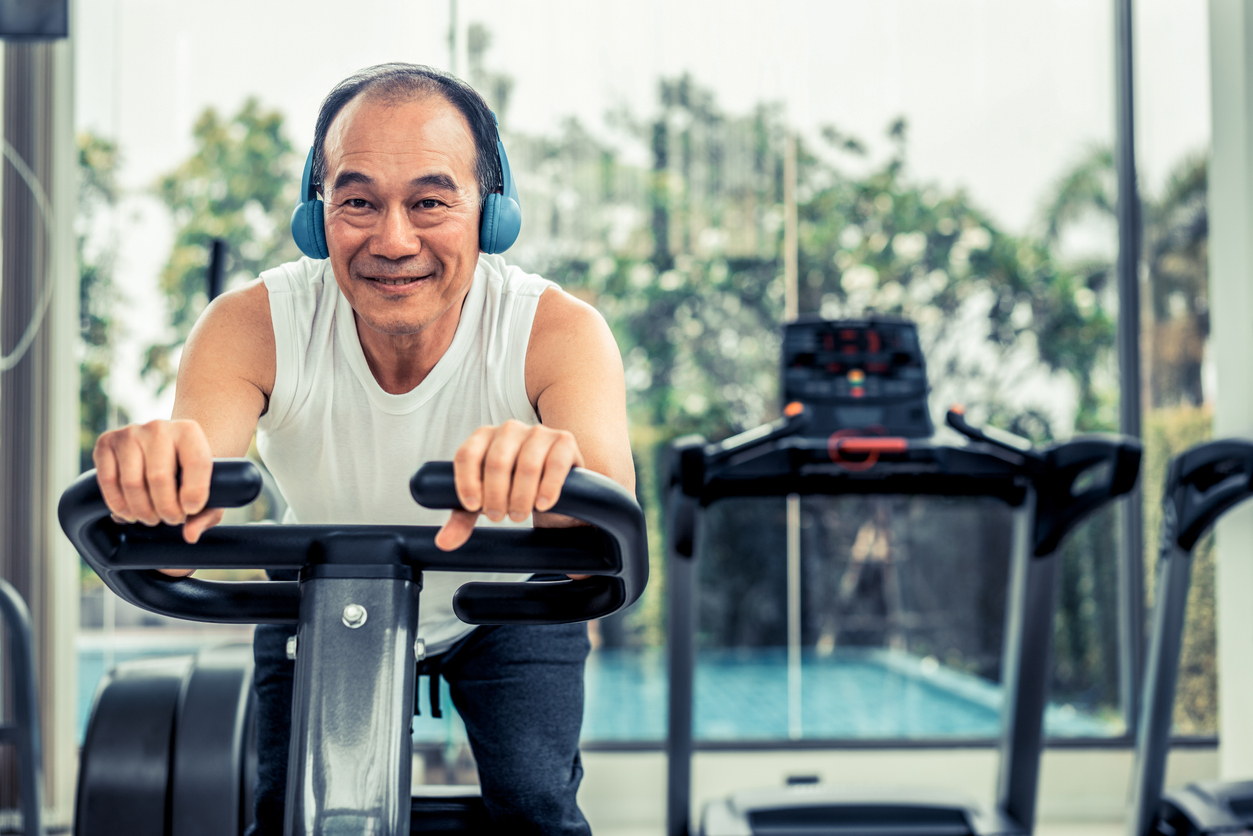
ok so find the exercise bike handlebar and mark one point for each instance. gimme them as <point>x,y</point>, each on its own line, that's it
<point>613,552</point>
<point>1201,484</point>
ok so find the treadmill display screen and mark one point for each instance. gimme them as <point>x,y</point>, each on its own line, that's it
<point>858,375</point>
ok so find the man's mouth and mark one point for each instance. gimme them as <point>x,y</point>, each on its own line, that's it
<point>403,280</point>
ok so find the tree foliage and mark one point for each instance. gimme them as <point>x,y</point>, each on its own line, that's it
<point>237,186</point>
<point>696,311</point>
<point>1175,255</point>
<point>97,296</point>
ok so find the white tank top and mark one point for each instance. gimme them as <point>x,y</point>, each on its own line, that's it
<point>342,449</point>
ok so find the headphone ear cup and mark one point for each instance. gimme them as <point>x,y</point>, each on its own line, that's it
<point>309,230</point>
<point>499,224</point>
<point>488,224</point>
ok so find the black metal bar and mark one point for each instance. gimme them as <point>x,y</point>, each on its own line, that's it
<point>216,276</point>
<point>1174,574</point>
<point>1131,548</point>
<point>681,634</point>
<point>1026,669</point>
<point>26,735</point>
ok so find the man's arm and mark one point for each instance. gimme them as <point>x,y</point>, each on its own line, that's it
<point>224,379</point>
<point>575,382</point>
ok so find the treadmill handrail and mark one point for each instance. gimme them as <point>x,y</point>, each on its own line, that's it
<point>614,553</point>
<point>1072,479</point>
<point>1201,484</point>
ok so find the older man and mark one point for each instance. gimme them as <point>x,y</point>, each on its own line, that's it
<point>406,344</point>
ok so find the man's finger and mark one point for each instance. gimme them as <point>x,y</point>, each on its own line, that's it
<point>456,531</point>
<point>130,461</point>
<point>198,524</point>
<point>498,464</point>
<point>161,471</point>
<point>531,463</point>
<point>563,456</point>
<point>467,468</point>
<point>110,488</point>
<point>195,460</point>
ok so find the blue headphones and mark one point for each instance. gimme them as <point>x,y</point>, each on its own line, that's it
<point>499,224</point>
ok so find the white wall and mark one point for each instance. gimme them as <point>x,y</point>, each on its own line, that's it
<point>1231,341</point>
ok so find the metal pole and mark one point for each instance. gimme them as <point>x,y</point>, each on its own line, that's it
<point>1026,667</point>
<point>791,303</point>
<point>681,634</point>
<point>1131,549</point>
<point>791,243</point>
<point>794,728</point>
<point>39,394</point>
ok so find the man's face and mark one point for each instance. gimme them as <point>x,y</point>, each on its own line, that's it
<point>402,210</point>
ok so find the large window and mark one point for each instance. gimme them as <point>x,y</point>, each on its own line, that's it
<point>954,165</point>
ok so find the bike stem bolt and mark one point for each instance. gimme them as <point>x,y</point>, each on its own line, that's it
<point>291,647</point>
<point>419,649</point>
<point>354,616</point>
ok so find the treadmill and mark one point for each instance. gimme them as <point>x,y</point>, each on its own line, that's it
<point>1201,484</point>
<point>856,421</point>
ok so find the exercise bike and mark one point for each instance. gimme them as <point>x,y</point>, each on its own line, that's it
<point>856,421</point>
<point>166,747</point>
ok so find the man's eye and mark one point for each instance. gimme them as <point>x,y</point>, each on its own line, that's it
<point>430,203</point>
<point>357,203</point>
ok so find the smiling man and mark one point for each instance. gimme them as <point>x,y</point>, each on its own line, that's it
<point>405,344</point>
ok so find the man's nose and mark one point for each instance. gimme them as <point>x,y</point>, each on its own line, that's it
<point>396,237</point>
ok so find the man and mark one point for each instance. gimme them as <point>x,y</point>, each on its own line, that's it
<point>405,345</point>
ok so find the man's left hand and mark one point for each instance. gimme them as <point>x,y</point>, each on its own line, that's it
<point>512,469</point>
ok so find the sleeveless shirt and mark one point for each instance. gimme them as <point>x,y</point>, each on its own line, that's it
<point>342,449</point>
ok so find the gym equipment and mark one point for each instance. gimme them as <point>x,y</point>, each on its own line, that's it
<point>500,220</point>
<point>1201,484</point>
<point>23,732</point>
<point>356,611</point>
<point>847,384</point>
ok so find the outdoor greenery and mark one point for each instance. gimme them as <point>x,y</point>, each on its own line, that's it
<point>682,255</point>
<point>238,187</point>
<point>97,296</point>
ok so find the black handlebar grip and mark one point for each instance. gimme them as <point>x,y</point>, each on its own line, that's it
<point>549,602</point>
<point>586,496</point>
<point>85,518</point>
<point>1201,484</point>
<point>435,486</point>
<point>234,483</point>
<point>1079,477</point>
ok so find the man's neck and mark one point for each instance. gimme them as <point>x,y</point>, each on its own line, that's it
<point>401,362</point>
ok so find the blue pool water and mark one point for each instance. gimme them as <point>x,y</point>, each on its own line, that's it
<point>740,695</point>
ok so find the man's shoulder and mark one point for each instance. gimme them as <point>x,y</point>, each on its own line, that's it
<point>507,279</point>
<point>305,275</point>
<point>565,328</point>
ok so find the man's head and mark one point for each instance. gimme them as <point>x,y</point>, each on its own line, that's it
<point>399,82</point>
<point>403,172</point>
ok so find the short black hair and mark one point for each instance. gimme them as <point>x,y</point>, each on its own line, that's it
<point>405,82</point>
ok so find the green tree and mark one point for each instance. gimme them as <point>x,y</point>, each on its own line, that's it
<point>1175,327</point>
<point>1175,255</point>
<point>237,186</point>
<point>97,296</point>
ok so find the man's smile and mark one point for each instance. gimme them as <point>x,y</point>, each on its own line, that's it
<point>394,281</point>
<point>397,281</point>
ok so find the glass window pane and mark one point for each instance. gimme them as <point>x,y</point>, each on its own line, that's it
<point>1172,132</point>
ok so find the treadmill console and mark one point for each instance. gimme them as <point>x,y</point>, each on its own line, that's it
<point>862,375</point>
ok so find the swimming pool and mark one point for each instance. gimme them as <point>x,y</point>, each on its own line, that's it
<point>740,695</point>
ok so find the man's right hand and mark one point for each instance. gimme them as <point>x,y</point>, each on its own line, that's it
<point>158,472</point>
